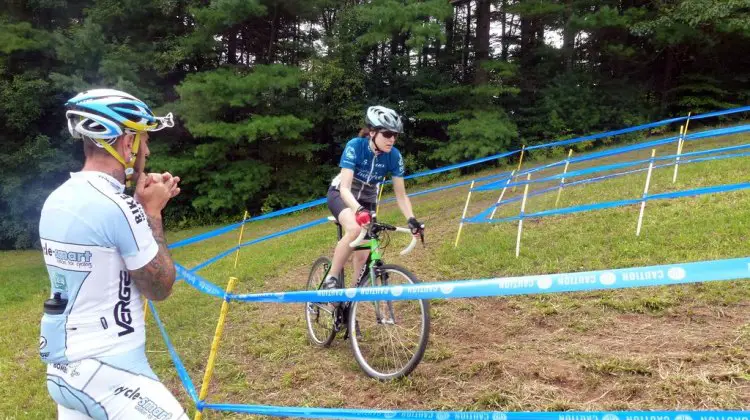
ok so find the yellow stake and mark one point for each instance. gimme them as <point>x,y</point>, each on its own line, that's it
<point>562,180</point>
<point>523,208</point>
<point>502,193</point>
<point>466,207</point>
<point>645,193</point>
<point>680,145</point>
<point>677,159</point>
<point>380,194</point>
<point>215,345</point>
<point>239,241</point>
<point>520,161</point>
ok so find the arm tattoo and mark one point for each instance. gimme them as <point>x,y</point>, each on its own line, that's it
<point>155,279</point>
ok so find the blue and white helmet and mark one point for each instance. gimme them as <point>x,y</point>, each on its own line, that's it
<point>380,117</point>
<point>107,114</point>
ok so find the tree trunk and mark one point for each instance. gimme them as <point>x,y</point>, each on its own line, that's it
<point>527,40</point>
<point>467,37</point>
<point>445,58</point>
<point>274,33</point>
<point>232,47</point>
<point>569,37</point>
<point>482,41</point>
<point>503,32</point>
<point>667,77</point>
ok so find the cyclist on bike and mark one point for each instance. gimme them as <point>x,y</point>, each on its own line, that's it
<point>353,192</point>
<point>104,249</point>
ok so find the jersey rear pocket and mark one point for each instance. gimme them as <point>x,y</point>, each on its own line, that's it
<point>52,338</point>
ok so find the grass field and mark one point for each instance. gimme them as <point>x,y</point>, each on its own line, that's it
<point>676,347</point>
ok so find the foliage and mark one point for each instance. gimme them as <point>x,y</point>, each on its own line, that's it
<point>266,92</point>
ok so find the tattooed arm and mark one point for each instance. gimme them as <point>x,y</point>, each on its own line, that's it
<point>155,279</point>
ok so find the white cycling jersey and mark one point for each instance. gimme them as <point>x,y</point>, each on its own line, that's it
<point>91,235</point>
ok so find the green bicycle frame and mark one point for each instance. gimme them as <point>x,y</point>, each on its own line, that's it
<point>374,247</point>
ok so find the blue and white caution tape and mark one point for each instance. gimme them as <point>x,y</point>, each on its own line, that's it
<point>325,219</point>
<point>621,150</point>
<point>685,158</point>
<point>225,229</point>
<point>309,204</point>
<point>484,214</point>
<point>199,283</point>
<point>359,414</point>
<point>657,275</point>
<point>482,217</point>
<point>181,371</point>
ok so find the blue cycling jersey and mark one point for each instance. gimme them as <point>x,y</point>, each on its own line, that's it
<point>369,169</point>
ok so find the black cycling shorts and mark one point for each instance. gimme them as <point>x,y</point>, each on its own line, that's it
<point>336,204</point>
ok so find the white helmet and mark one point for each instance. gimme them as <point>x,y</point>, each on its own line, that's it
<point>380,117</point>
<point>105,114</point>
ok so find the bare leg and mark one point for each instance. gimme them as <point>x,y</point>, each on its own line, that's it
<point>343,250</point>
<point>360,258</point>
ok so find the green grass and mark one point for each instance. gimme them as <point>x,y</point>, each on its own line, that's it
<point>677,347</point>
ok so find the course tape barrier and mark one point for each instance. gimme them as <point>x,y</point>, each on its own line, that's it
<point>482,217</point>
<point>207,235</point>
<point>638,128</point>
<point>684,158</point>
<point>261,239</point>
<point>221,231</point>
<point>359,414</point>
<point>640,146</point>
<point>181,371</point>
<point>657,275</point>
<point>609,176</point>
<point>324,219</point>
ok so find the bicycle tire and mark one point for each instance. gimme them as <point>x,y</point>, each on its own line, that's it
<point>368,343</point>
<point>319,317</point>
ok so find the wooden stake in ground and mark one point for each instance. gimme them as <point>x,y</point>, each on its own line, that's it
<point>645,193</point>
<point>677,159</point>
<point>680,144</point>
<point>502,193</point>
<point>380,194</point>
<point>239,241</point>
<point>215,346</point>
<point>463,216</point>
<point>520,221</point>
<point>520,162</point>
<point>562,180</point>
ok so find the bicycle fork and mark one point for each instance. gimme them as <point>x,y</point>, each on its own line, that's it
<point>389,318</point>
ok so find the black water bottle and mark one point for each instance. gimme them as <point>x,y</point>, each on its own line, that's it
<point>56,305</point>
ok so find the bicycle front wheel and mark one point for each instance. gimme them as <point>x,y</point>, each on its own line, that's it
<point>319,316</point>
<point>389,338</point>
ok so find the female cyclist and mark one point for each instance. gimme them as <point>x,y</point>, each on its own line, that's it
<point>353,193</point>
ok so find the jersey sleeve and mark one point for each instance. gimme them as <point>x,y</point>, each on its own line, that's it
<point>131,233</point>
<point>349,157</point>
<point>397,164</point>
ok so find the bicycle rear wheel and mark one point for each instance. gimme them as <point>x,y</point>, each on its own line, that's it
<point>319,316</point>
<point>389,338</point>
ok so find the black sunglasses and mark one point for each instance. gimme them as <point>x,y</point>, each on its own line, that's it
<point>388,134</point>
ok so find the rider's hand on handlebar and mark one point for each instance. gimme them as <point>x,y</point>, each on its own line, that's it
<point>417,228</point>
<point>362,216</point>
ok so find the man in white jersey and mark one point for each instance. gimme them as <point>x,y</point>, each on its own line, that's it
<point>104,250</point>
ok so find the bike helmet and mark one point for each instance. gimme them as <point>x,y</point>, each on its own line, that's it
<point>380,117</point>
<point>106,114</point>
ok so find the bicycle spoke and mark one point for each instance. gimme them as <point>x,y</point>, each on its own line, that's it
<point>393,346</point>
<point>319,316</point>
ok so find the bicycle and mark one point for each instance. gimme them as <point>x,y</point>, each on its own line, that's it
<point>390,337</point>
